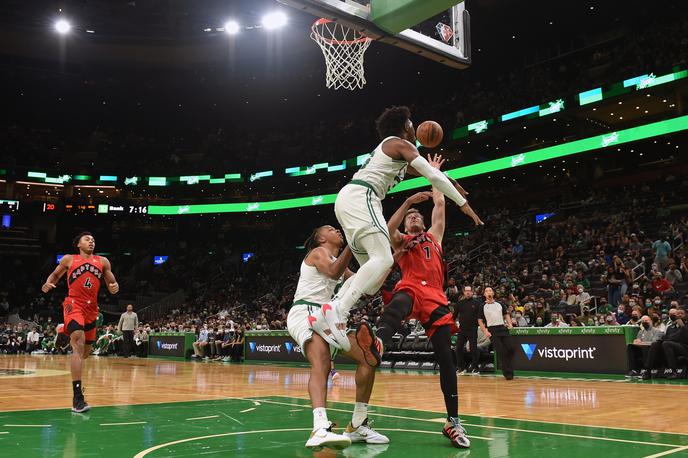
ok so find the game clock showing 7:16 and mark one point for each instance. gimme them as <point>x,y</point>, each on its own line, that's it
<point>138,209</point>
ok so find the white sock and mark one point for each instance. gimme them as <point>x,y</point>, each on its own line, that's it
<point>320,418</point>
<point>360,414</point>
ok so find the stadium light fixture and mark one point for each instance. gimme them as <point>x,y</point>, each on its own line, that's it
<point>232,27</point>
<point>62,26</point>
<point>274,20</point>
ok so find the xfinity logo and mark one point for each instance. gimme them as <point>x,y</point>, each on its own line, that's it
<point>558,353</point>
<point>167,346</point>
<point>264,348</point>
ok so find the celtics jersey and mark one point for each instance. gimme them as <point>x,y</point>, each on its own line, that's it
<point>315,287</point>
<point>381,171</point>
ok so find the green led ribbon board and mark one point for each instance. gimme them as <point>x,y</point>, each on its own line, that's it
<point>504,163</point>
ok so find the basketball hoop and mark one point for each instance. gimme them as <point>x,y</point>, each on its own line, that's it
<point>343,49</point>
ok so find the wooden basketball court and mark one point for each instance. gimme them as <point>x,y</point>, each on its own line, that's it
<point>155,408</point>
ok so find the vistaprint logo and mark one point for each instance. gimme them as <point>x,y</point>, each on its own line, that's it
<point>558,353</point>
<point>264,348</point>
<point>167,346</point>
<point>288,346</point>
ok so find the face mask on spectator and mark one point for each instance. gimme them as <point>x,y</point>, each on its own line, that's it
<point>646,325</point>
<point>632,303</point>
<point>609,319</point>
<point>539,321</point>
<point>635,316</point>
<point>657,301</point>
<point>648,303</point>
<point>672,317</point>
<point>621,309</point>
<point>518,316</point>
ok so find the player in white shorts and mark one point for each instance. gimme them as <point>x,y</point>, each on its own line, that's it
<point>322,272</point>
<point>359,210</point>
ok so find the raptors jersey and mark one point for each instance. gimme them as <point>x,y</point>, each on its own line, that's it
<point>422,265</point>
<point>83,279</point>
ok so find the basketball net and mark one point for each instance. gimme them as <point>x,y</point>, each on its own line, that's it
<point>343,49</point>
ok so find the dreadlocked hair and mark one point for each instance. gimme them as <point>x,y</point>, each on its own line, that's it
<point>392,121</point>
<point>312,241</point>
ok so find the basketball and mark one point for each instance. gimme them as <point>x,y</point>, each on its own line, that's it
<point>429,134</point>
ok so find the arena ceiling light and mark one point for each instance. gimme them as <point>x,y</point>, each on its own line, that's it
<point>62,26</point>
<point>274,20</point>
<point>232,27</point>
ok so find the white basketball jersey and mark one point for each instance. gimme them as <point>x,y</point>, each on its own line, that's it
<point>381,171</point>
<point>314,286</point>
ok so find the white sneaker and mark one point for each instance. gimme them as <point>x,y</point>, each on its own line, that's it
<point>456,434</point>
<point>365,433</point>
<point>336,324</point>
<point>324,437</point>
<point>320,327</point>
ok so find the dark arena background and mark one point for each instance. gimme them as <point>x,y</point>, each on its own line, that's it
<point>200,143</point>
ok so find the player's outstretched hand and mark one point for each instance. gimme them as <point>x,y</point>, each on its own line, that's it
<point>477,220</point>
<point>47,287</point>
<point>113,288</point>
<point>419,197</point>
<point>436,161</point>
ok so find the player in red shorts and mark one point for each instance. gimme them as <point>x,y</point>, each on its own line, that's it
<point>420,295</point>
<point>85,272</point>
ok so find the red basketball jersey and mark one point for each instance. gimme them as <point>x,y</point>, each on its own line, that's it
<point>84,278</point>
<point>422,264</point>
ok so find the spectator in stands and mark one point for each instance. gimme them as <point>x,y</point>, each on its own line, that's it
<point>621,317</point>
<point>529,313</point>
<point>519,320</point>
<point>635,318</point>
<point>660,285</point>
<point>227,345</point>
<point>676,344</point>
<point>610,320</point>
<point>638,351</point>
<point>452,291</point>
<point>557,321</point>
<point>673,275</point>
<point>662,249</point>
<point>615,278</point>
<point>33,340</point>
<point>583,298</point>
<point>201,343</point>
<point>657,322</point>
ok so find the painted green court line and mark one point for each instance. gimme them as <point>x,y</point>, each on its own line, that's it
<point>478,422</point>
<point>272,426</point>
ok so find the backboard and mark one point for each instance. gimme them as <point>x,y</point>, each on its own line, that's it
<point>444,37</point>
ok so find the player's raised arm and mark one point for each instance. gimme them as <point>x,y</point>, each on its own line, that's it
<point>438,210</point>
<point>59,271</point>
<point>398,217</point>
<point>109,277</point>
<point>320,259</point>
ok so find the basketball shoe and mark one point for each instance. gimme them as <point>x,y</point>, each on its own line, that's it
<point>456,433</point>
<point>324,437</point>
<point>370,344</point>
<point>336,324</point>
<point>365,433</point>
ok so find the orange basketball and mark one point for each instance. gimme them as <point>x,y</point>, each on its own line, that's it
<point>429,134</point>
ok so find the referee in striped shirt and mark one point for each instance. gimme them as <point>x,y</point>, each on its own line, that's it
<point>495,322</point>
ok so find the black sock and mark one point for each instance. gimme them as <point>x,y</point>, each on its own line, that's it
<point>396,311</point>
<point>76,386</point>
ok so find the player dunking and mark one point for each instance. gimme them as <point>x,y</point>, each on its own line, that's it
<point>85,272</point>
<point>419,294</point>
<point>322,272</point>
<point>359,211</point>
